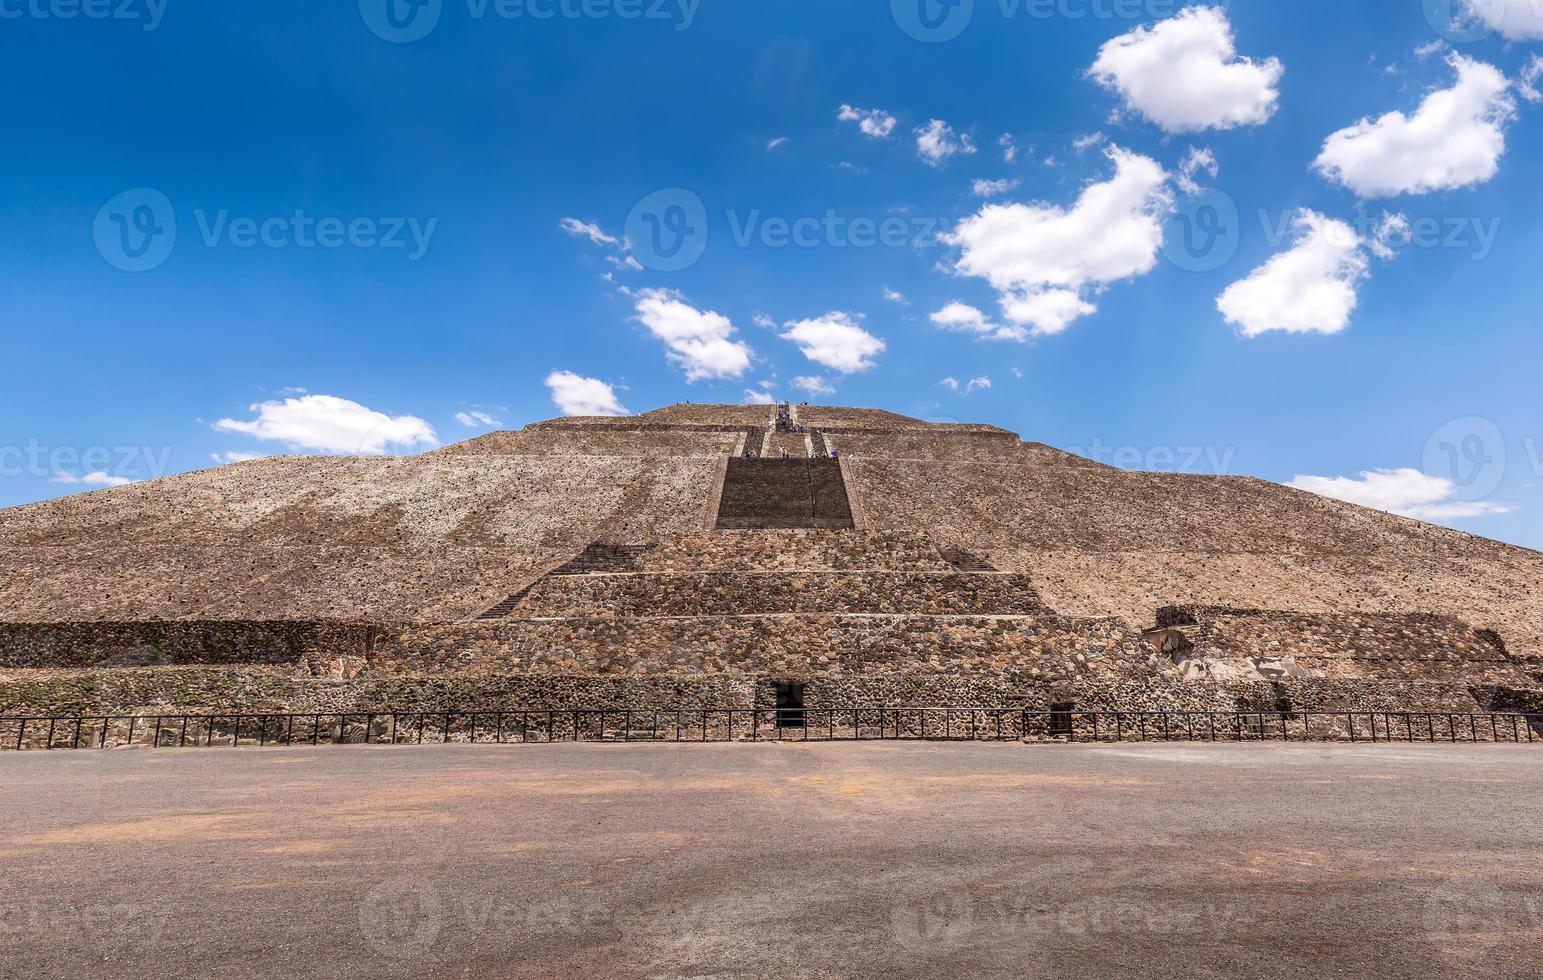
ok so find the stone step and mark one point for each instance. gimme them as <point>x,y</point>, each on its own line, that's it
<point>795,550</point>
<point>752,592</point>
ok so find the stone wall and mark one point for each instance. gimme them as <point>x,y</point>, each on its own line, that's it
<point>1019,650</point>
<point>1348,646</point>
<point>166,643</point>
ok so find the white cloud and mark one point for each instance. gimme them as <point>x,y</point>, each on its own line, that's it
<point>759,397</point>
<point>235,456</point>
<point>963,318</point>
<point>589,230</point>
<point>870,122</point>
<point>332,425</point>
<point>1009,148</point>
<point>97,478</point>
<point>835,341</point>
<point>1196,161</point>
<point>764,321</point>
<point>1528,85</point>
<point>1045,261</point>
<point>1184,74</point>
<point>1311,287</point>
<point>1516,20</point>
<point>982,383</point>
<point>576,395</point>
<point>814,385</point>
<point>895,296</point>
<point>937,141</point>
<point>476,420</point>
<point>778,141</point>
<point>698,340</point>
<point>1455,139</point>
<point>1406,492</point>
<point>1429,48</point>
<point>625,262</point>
<point>992,188</point>
<point>1088,142</point>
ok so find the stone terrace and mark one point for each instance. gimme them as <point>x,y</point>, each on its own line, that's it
<point>978,569</point>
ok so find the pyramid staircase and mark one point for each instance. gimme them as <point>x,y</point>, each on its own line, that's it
<point>767,494</point>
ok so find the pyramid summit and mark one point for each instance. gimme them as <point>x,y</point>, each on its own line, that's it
<point>702,555</point>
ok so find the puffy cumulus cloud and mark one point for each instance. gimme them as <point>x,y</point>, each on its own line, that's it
<point>814,385</point>
<point>1516,20</point>
<point>1184,74</point>
<point>1046,261</point>
<point>1454,139</point>
<point>1196,162</point>
<point>963,318</point>
<point>1312,286</point>
<point>577,395</point>
<point>700,341</point>
<point>331,425</point>
<point>895,296</point>
<point>937,141</point>
<point>753,397</point>
<point>96,478</point>
<point>476,420</point>
<point>870,122</point>
<point>1406,492</point>
<point>835,341</point>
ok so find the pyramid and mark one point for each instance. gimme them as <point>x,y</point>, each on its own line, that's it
<point>701,555</point>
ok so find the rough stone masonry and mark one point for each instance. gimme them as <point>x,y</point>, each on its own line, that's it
<point>665,561</point>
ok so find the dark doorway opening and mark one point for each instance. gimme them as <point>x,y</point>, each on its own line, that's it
<point>1061,719</point>
<point>790,704</point>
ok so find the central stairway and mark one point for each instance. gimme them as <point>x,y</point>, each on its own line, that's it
<point>777,494</point>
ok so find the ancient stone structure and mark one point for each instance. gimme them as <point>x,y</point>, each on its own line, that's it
<point>701,556</point>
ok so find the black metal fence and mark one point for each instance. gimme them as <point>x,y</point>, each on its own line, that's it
<point>758,724</point>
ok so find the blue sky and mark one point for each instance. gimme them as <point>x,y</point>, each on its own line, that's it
<point>1198,257</point>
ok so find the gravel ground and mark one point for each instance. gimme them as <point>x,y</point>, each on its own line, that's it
<point>781,861</point>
